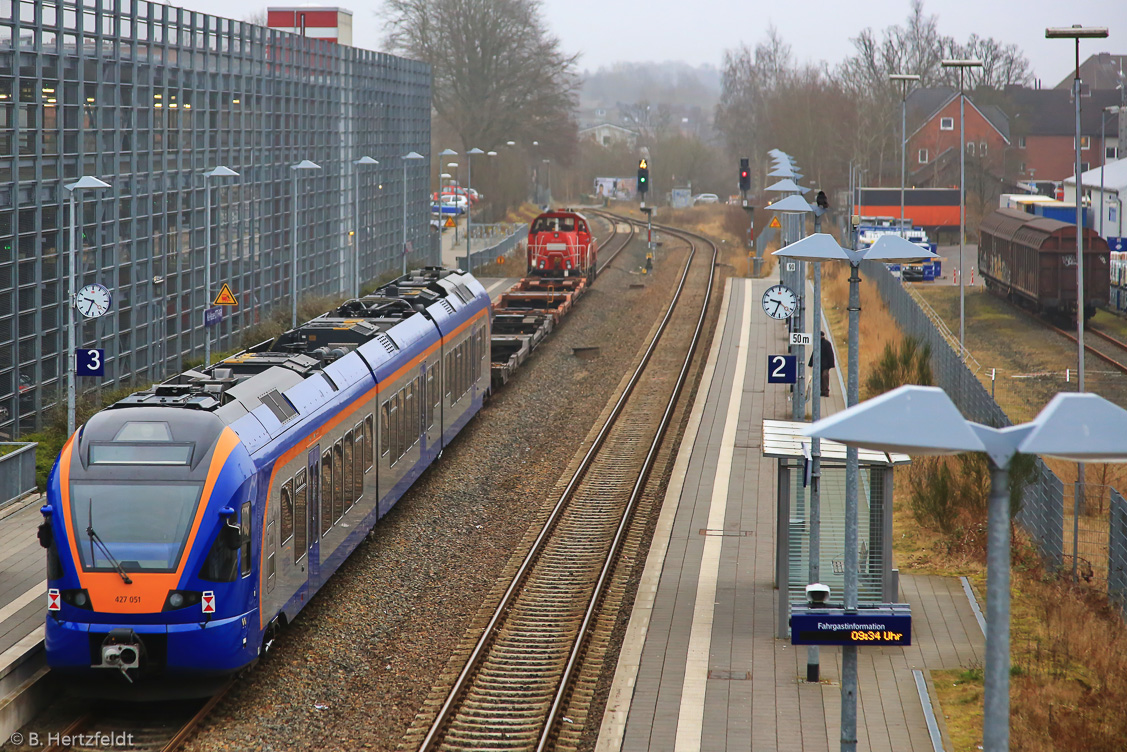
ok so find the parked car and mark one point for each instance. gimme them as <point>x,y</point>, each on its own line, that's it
<point>706,198</point>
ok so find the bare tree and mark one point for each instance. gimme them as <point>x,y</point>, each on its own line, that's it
<point>258,17</point>
<point>497,74</point>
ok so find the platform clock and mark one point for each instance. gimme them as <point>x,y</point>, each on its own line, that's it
<point>93,301</point>
<point>779,302</point>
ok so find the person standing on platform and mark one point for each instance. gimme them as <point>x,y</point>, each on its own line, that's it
<point>827,364</point>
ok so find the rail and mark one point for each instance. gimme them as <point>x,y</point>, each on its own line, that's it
<point>17,470</point>
<point>559,667</point>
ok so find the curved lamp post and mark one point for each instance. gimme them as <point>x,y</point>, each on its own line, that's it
<point>218,172</point>
<point>822,247</point>
<point>1074,427</point>
<point>356,165</point>
<point>304,164</point>
<point>84,182</point>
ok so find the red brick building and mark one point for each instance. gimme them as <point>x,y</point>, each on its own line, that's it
<point>933,159</point>
<point>1043,122</point>
<point>333,24</point>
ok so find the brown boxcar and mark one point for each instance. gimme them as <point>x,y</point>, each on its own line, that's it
<point>1032,260</point>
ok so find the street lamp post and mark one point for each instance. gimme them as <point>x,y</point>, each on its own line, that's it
<point>548,180</point>
<point>356,164</point>
<point>218,172</point>
<point>821,247</point>
<point>905,80</point>
<point>406,158</point>
<point>919,420</point>
<point>1078,32</point>
<point>304,164</point>
<point>469,201</point>
<point>441,154</point>
<point>72,362</point>
<point>962,65</point>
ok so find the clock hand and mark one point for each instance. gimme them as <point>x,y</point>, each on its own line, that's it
<point>778,304</point>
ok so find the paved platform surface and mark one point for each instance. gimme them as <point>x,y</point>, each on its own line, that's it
<point>23,578</point>
<point>700,668</point>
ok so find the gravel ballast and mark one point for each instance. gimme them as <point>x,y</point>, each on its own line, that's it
<point>355,667</point>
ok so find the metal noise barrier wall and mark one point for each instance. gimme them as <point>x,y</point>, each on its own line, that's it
<point>1042,508</point>
<point>17,471</point>
<point>487,255</point>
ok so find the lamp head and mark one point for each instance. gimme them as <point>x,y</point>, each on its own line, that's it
<point>365,160</point>
<point>305,164</point>
<point>86,181</point>
<point>221,172</point>
<point>1076,31</point>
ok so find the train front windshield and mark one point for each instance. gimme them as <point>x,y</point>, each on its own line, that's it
<point>141,526</point>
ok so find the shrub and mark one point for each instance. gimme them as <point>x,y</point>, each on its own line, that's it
<point>910,363</point>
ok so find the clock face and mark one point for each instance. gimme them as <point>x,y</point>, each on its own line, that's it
<point>779,302</point>
<point>93,301</point>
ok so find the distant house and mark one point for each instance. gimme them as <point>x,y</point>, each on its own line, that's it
<point>1103,191</point>
<point>608,134</point>
<point>933,157</point>
<point>1044,125</point>
<point>1102,70</point>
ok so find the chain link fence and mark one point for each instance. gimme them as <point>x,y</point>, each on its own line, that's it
<point>1042,506</point>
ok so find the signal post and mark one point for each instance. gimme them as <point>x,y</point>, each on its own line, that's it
<point>643,188</point>
<point>745,186</point>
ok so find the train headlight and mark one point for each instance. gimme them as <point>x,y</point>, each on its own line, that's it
<point>76,598</point>
<point>178,599</point>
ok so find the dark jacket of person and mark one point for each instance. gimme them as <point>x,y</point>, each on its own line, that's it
<point>827,356</point>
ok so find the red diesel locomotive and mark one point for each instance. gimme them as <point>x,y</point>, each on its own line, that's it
<point>561,244</point>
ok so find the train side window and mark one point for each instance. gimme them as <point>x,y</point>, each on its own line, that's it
<point>349,470</point>
<point>301,516</point>
<point>448,386</point>
<point>244,530</point>
<point>432,393</point>
<point>338,481</point>
<point>358,463</point>
<point>385,429</point>
<point>326,491</point>
<point>421,408</point>
<point>368,436</point>
<point>392,427</point>
<point>409,422</point>
<point>287,510</point>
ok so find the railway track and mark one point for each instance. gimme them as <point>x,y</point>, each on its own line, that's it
<point>520,674</point>
<point>160,727</point>
<point>1110,350</point>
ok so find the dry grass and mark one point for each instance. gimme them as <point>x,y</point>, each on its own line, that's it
<point>959,692</point>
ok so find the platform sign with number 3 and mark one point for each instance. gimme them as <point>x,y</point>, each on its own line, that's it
<point>90,362</point>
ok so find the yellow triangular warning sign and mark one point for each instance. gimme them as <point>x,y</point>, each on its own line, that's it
<point>775,223</point>
<point>225,297</point>
<point>449,221</point>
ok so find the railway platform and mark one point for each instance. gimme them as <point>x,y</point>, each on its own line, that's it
<point>700,667</point>
<point>23,599</point>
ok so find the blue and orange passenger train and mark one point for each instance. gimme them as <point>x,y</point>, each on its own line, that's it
<point>187,523</point>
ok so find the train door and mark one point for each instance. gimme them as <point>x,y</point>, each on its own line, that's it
<point>310,514</point>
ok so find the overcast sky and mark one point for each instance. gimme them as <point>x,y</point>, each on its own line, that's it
<point>699,31</point>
